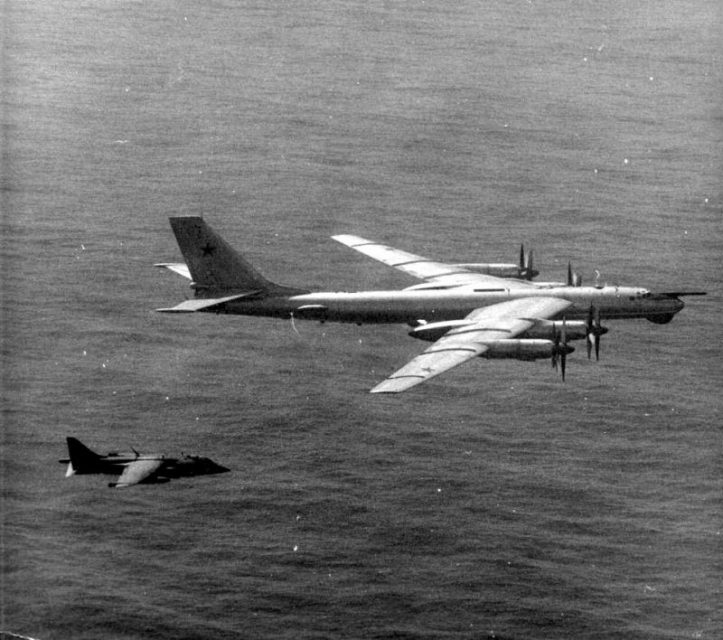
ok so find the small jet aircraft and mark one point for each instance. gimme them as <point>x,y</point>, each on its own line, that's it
<point>135,468</point>
<point>467,310</point>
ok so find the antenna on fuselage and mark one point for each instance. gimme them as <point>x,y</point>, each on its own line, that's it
<point>293,324</point>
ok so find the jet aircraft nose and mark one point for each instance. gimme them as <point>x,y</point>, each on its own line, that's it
<point>214,467</point>
<point>204,465</point>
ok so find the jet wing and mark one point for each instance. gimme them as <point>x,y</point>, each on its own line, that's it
<point>434,272</point>
<point>138,471</point>
<point>499,321</point>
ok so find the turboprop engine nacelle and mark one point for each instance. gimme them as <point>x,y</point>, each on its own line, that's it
<point>517,349</point>
<point>524,349</point>
<point>542,330</point>
<point>548,329</point>
<point>498,270</point>
<point>433,331</point>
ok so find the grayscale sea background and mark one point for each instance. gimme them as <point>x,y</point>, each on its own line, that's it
<point>494,501</point>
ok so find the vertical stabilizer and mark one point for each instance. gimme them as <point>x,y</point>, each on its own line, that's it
<point>214,265</point>
<point>81,457</point>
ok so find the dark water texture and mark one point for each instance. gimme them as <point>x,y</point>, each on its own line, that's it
<point>493,501</point>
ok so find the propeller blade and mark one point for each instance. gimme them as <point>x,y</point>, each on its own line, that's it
<point>573,278</point>
<point>560,348</point>
<point>529,268</point>
<point>598,333</point>
<point>593,330</point>
<point>563,352</point>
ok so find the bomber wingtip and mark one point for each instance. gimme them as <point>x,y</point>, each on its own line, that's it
<point>349,240</point>
<point>172,310</point>
<point>387,386</point>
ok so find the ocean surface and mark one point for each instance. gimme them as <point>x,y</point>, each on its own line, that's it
<point>492,502</point>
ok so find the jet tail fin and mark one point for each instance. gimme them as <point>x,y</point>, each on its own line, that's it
<point>80,456</point>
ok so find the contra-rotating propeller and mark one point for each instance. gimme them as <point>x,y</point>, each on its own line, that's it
<point>573,278</point>
<point>527,269</point>
<point>560,348</point>
<point>593,331</point>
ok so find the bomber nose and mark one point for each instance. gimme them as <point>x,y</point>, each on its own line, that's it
<point>671,301</point>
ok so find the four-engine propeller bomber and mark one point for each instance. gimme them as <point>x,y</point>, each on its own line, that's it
<point>467,310</point>
<point>135,468</point>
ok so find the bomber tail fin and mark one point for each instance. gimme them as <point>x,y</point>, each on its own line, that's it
<point>214,265</point>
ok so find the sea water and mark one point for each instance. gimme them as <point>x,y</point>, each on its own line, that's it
<point>493,501</point>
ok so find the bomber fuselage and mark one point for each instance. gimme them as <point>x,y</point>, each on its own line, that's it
<point>411,306</point>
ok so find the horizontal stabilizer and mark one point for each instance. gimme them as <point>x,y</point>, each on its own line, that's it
<point>177,267</point>
<point>205,304</point>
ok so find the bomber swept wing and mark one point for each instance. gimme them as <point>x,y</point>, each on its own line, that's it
<point>484,330</point>
<point>437,274</point>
